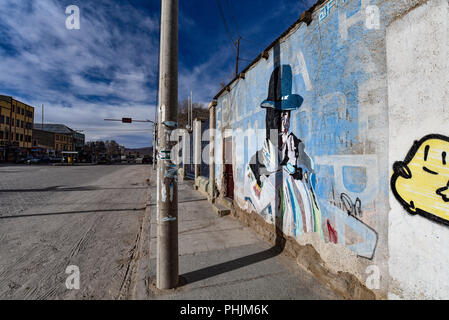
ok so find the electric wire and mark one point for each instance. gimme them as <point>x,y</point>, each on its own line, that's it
<point>225,23</point>
<point>231,14</point>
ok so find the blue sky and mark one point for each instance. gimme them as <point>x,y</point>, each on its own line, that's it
<point>108,68</point>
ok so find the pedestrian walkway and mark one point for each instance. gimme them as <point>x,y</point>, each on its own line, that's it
<point>222,259</point>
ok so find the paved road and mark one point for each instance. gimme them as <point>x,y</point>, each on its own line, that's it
<point>54,217</point>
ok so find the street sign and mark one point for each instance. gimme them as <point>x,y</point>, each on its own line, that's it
<point>165,155</point>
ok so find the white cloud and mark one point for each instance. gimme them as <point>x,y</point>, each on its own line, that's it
<point>111,59</point>
<point>204,79</point>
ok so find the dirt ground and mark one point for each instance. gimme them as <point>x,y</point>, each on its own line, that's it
<point>55,217</point>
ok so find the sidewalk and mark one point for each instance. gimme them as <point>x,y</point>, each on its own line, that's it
<point>222,259</point>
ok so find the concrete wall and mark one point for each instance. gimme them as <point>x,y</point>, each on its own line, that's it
<point>418,81</point>
<point>350,120</point>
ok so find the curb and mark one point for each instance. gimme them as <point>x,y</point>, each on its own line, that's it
<point>141,273</point>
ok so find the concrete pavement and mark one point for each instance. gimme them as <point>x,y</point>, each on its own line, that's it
<point>221,259</point>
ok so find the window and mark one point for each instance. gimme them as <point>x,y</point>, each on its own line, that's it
<point>17,137</point>
<point>18,123</point>
<point>1,134</point>
<point>12,108</point>
<point>21,137</point>
<point>2,119</point>
<point>23,111</point>
<point>7,120</point>
<point>21,124</point>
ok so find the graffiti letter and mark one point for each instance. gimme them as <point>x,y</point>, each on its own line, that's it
<point>345,23</point>
<point>301,68</point>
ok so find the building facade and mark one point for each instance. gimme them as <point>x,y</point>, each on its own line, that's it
<point>43,141</point>
<point>337,136</point>
<point>79,140</point>
<point>62,137</point>
<point>16,128</point>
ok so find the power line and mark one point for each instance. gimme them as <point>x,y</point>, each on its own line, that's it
<point>224,22</point>
<point>252,41</point>
<point>231,14</point>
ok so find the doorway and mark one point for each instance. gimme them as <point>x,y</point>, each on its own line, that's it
<point>228,170</point>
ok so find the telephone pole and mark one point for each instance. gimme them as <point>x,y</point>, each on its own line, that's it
<point>167,175</point>
<point>238,57</point>
<point>42,116</point>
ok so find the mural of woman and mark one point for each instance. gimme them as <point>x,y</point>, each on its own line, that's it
<point>279,177</point>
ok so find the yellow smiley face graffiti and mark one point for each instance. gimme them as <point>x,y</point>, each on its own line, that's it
<point>421,182</point>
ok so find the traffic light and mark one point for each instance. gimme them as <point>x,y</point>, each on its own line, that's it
<point>127,120</point>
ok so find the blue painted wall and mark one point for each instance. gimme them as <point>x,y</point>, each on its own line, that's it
<point>331,65</point>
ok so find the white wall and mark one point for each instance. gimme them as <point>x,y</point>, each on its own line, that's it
<point>418,82</point>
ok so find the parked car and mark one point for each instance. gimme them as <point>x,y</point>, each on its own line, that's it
<point>39,160</point>
<point>116,159</point>
<point>103,159</point>
<point>131,159</point>
<point>55,159</point>
<point>23,160</point>
<point>147,160</point>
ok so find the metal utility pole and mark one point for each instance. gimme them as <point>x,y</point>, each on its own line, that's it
<point>167,175</point>
<point>191,110</point>
<point>42,117</point>
<point>188,114</point>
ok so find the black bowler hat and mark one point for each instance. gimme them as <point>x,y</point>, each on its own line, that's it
<point>280,95</point>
